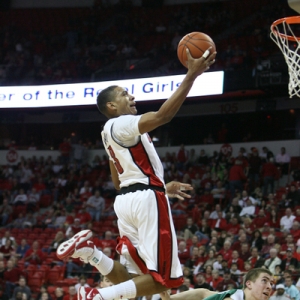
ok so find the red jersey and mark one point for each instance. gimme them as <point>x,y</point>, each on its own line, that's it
<point>269,170</point>
<point>226,254</point>
<point>35,258</point>
<point>236,173</point>
<point>12,275</point>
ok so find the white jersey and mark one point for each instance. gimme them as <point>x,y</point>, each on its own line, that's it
<point>133,154</point>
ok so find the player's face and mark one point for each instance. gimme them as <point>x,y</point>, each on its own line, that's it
<point>124,102</point>
<point>105,282</point>
<point>261,289</point>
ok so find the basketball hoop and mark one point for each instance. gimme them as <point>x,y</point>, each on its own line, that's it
<point>282,33</point>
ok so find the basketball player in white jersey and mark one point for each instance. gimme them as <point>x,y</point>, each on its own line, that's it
<point>257,286</point>
<point>148,243</point>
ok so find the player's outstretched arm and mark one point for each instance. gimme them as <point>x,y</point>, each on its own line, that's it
<point>196,294</point>
<point>176,189</point>
<point>196,66</point>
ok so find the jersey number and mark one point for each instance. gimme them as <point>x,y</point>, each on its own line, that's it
<point>116,161</point>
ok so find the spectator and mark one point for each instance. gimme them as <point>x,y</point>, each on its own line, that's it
<point>203,158</point>
<point>210,258</point>
<point>82,282</point>
<point>8,236</point>
<point>218,193</point>
<point>290,289</point>
<point>217,265</point>
<point>233,226</point>
<point>289,239</point>
<point>183,252</point>
<point>257,240</point>
<point>249,210</point>
<point>293,196</point>
<point>236,178</point>
<point>21,198</point>
<point>226,251</point>
<point>255,164</point>
<point>108,241</point>
<point>201,283</point>
<point>7,249</point>
<point>74,228</point>
<point>26,177</point>
<point>236,274</point>
<point>22,288</point>
<point>244,199</point>
<point>242,238</point>
<point>11,277</point>
<point>192,160</point>
<point>193,261</point>
<point>269,174</point>
<point>289,260</point>
<point>189,229</point>
<point>43,294</point>
<point>83,216</point>
<point>5,212</point>
<point>235,259</point>
<point>79,152</point>
<point>295,230</point>
<point>34,255</point>
<point>58,239</point>
<point>220,222</point>
<point>280,293</point>
<point>95,206</point>
<point>59,293</point>
<point>223,285</point>
<point>204,229</point>
<point>29,220</point>
<point>266,154</point>
<point>283,160</point>
<point>270,243</point>
<point>214,214</point>
<point>182,157</point>
<point>273,261</point>
<point>216,279</point>
<point>260,219</point>
<point>18,222</point>
<point>72,294</point>
<point>286,221</point>
<point>255,260</point>
<point>274,221</point>
<point>245,253</point>
<point>65,149</point>
<point>33,199</point>
<point>21,249</point>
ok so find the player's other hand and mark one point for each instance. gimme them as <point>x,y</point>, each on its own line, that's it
<point>177,189</point>
<point>165,295</point>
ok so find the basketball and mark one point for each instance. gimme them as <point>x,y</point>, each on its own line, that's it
<point>197,42</point>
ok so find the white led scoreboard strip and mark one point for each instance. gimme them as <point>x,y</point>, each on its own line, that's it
<point>144,89</point>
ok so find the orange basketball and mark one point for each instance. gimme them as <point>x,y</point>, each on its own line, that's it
<point>197,42</point>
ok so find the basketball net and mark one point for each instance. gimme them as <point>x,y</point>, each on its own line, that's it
<point>289,44</point>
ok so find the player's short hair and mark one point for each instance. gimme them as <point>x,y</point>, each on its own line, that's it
<point>105,96</point>
<point>253,274</point>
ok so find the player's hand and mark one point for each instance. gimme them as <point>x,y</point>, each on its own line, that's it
<point>176,189</point>
<point>196,66</point>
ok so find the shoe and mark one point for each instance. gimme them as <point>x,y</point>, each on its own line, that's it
<point>67,249</point>
<point>87,293</point>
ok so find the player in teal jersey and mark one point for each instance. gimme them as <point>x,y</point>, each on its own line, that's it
<point>257,286</point>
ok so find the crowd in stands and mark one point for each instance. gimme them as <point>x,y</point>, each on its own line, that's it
<point>237,218</point>
<point>46,46</point>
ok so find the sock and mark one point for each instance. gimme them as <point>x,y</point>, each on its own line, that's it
<point>101,262</point>
<point>122,290</point>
